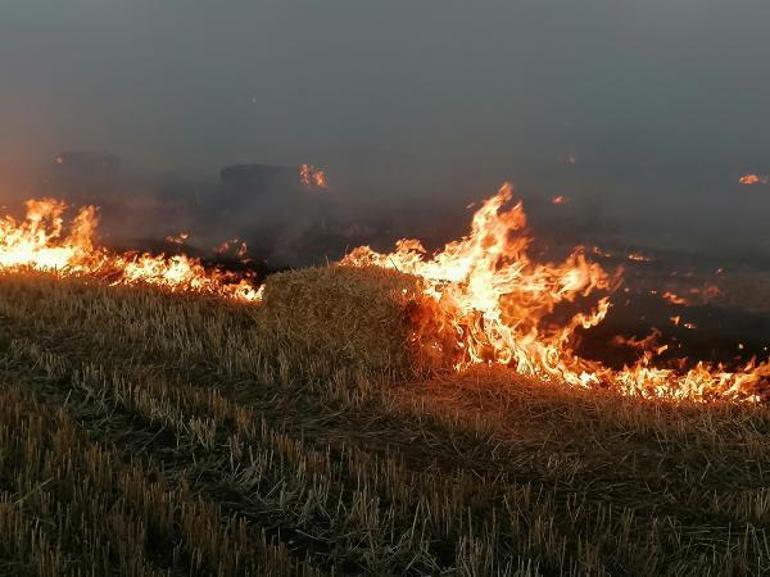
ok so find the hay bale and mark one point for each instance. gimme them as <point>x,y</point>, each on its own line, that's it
<point>371,319</point>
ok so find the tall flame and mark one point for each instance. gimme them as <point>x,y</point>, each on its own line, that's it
<point>500,305</point>
<point>40,242</point>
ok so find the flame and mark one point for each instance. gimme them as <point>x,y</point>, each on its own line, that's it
<point>674,298</point>
<point>309,175</point>
<point>749,179</point>
<point>598,251</point>
<point>40,242</point>
<point>496,304</point>
<point>499,305</point>
<point>647,344</point>
<point>638,257</point>
<point>235,248</point>
<point>180,238</point>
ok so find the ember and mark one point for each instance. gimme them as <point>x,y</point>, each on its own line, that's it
<point>674,299</point>
<point>749,179</point>
<point>180,238</point>
<point>639,257</point>
<point>309,175</point>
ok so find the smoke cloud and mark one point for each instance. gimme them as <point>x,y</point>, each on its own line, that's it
<point>643,114</point>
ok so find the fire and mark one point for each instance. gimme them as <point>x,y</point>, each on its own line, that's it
<point>179,239</point>
<point>495,297</point>
<point>674,298</point>
<point>494,304</point>
<point>309,175</point>
<point>647,344</point>
<point>598,251</point>
<point>41,242</point>
<point>638,257</point>
<point>500,306</point>
<point>749,179</point>
<point>235,248</point>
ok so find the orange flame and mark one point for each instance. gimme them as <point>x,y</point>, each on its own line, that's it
<point>674,298</point>
<point>749,179</point>
<point>40,242</point>
<point>499,303</point>
<point>496,302</point>
<point>179,239</point>
<point>235,248</point>
<point>309,175</point>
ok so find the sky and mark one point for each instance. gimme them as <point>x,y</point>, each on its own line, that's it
<point>662,104</point>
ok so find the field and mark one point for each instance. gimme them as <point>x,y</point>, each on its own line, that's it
<point>145,434</point>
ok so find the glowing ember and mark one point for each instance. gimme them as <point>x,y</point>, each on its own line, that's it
<point>180,238</point>
<point>311,176</point>
<point>560,199</point>
<point>598,251</point>
<point>499,304</point>
<point>638,257</point>
<point>40,242</point>
<point>749,179</point>
<point>674,299</point>
<point>234,248</point>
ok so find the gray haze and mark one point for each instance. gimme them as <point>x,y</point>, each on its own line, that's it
<point>662,103</point>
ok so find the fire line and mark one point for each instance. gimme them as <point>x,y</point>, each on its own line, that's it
<point>489,292</point>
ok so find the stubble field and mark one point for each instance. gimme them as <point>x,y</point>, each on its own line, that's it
<point>146,433</point>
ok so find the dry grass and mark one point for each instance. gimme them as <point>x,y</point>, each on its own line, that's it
<point>143,433</point>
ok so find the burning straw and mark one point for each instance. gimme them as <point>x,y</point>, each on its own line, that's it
<point>482,300</point>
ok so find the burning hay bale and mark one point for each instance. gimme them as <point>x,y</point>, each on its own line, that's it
<point>369,319</point>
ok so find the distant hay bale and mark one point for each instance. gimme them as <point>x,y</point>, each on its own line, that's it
<point>371,319</point>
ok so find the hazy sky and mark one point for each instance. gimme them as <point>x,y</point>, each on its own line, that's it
<point>642,92</point>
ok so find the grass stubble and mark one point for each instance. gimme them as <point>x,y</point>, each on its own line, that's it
<point>144,433</point>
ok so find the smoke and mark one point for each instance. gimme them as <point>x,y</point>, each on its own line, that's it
<point>281,218</point>
<point>644,114</point>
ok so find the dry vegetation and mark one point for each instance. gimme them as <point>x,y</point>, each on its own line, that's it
<point>143,433</point>
<point>373,321</point>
